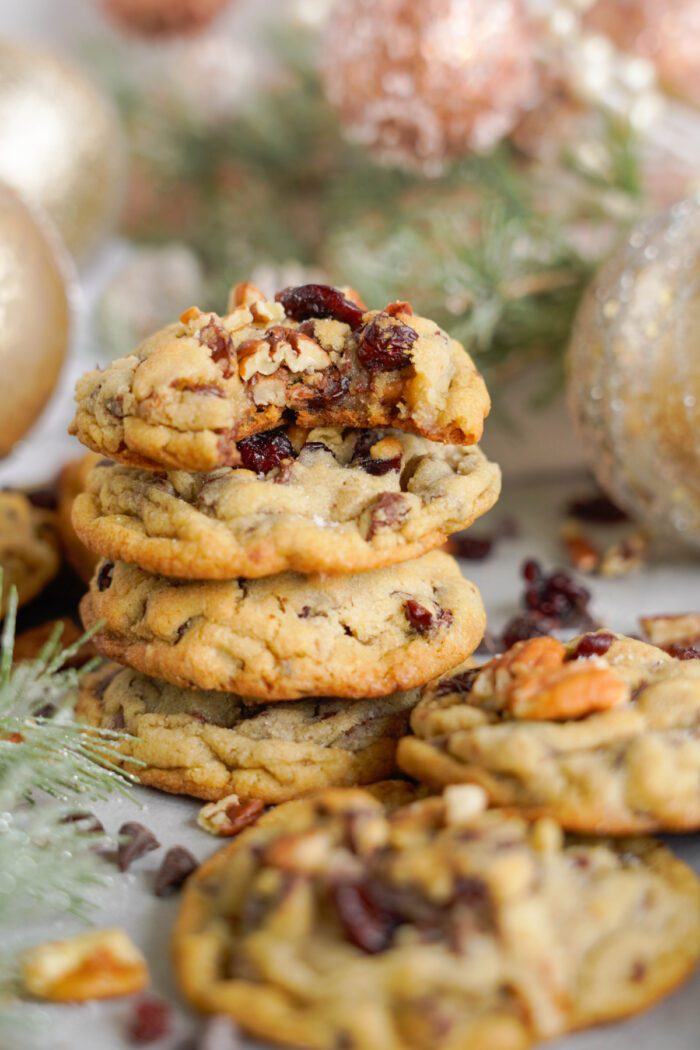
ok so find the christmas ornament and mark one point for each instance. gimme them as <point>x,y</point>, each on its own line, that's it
<point>634,382</point>
<point>153,286</point>
<point>424,82</point>
<point>665,32</point>
<point>158,18</point>
<point>60,144</point>
<point>34,313</point>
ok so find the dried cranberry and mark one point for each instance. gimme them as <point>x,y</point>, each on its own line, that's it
<point>531,571</point>
<point>473,548</point>
<point>263,452</point>
<point>422,619</point>
<point>683,652</point>
<point>104,576</point>
<point>368,926</point>
<point>384,344</point>
<point>593,645</point>
<point>319,300</point>
<point>597,509</point>
<point>527,625</point>
<point>150,1021</point>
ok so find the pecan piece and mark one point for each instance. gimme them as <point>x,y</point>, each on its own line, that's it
<point>99,964</point>
<point>229,815</point>
<point>573,691</point>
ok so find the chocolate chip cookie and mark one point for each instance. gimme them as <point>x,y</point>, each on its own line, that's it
<point>341,501</point>
<point>290,636</point>
<point>199,394</point>
<point>29,550</point>
<point>212,744</point>
<point>602,734</point>
<point>336,923</point>
<point>71,482</point>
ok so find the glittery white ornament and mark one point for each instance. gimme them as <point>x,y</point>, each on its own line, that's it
<point>634,374</point>
<point>423,82</point>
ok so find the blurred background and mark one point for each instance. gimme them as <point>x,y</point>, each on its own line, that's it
<point>479,159</point>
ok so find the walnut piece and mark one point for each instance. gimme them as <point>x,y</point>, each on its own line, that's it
<point>299,352</point>
<point>99,964</point>
<point>229,815</point>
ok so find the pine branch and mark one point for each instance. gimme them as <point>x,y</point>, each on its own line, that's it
<point>48,765</point>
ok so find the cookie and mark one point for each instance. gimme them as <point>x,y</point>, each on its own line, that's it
<point>29,552</point>
<point>71,482</point>
<point>346,501</point>
<point>290,636</point>
<point>194,394</point>
<point>603,734</point>
<point>211,744</point>
<point>335,923</point>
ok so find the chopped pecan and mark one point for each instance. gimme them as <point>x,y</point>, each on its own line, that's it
<point>677,629</point>
<point>229,815</point>
<point>99,964</point>
<point>582,554</point>
<point>627,556</point>
<point>572,691</point>
<point>244,294</point>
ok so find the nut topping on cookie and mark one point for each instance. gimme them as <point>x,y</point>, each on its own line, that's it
<point>229,815</point>
<point>532,681</point>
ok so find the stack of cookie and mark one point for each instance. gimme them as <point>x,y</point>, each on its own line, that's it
<point>278,481</point>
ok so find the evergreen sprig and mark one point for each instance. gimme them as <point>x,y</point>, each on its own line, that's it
<point>49,765</point>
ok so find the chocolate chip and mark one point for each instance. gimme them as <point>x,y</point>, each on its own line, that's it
<point>104,576</point>
<point>88,823</point>
<point>150,1020</point>
<point>178,864</point>
<point>135,841</point>
<point>182,630</point>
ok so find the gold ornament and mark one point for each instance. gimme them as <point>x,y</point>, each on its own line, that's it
<point>158,18</point>
<point>421,83</point>
<point>664,31</point>
<point>61,145</point>
<point>34,317</point>
<point>634,374</point>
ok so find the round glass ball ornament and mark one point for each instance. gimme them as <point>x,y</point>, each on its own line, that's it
<point>634,374</point>
<point>35,275</point>
<point>61,145</point>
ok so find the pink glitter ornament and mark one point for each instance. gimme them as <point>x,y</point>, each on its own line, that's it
<point>424,81</point>
<point>664,31</point>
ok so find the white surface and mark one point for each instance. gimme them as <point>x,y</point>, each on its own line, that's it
<point>671,584</point>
